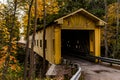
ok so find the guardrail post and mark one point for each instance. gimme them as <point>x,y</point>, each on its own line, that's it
<point>110,64</point>
<point>77,75</point>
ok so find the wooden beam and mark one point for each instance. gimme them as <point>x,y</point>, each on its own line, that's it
<point>97,41</point>
<point>92,42</point>
<point>57,45</point>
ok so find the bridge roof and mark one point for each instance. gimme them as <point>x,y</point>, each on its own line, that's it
<point>80,11</point>
<point>83,12</point>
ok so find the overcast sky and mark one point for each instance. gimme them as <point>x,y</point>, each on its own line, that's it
<point>2,1</point>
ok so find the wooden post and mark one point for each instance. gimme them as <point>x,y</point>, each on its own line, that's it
<point>57,45</point>
<point>97,41</point>
<point>92,42</point>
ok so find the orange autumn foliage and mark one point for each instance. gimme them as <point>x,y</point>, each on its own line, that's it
<point>51,8</point>
<point>12,64</point>
<point>4,53</point>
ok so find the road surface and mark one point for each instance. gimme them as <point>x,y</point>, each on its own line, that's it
<point>92,71</point>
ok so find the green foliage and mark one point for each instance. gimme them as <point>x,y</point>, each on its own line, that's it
<point>113,43</point>
<point>7,25</point>
<point>13,74</point>
<point>15,70</point>
<point>69,6</point>
<point>9,28</point>
<point>20,56</point>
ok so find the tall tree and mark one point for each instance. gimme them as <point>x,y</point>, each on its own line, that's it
<point>27,37</point>
<point>10,42</point>
<point>44,33</point>
<point>52,8</point>
<point>32,71</point>
<point>105,29</point>
<point>117,27</point>
<point>112,32</point>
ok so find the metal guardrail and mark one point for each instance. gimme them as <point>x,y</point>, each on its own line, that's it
<point>105,59</point>
<point>77,75</point>
<point>109,60</point>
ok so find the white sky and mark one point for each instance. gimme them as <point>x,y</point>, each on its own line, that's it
<point>3,1</point>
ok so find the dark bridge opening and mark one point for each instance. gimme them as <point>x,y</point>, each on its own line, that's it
<point>75,42</point>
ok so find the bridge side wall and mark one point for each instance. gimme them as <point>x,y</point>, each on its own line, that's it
<point>38,48</point>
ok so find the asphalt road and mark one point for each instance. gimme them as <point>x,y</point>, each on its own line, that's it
<point>92,71</point>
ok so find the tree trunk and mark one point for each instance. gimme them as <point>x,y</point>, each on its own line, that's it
<point>117,29</point>
<point>105,30</point>
<point>27,44</point>
<point>44,33</point>
<point>32,71</point>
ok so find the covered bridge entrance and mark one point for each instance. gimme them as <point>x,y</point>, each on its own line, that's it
<point>75,41</point>
<point>78,32</point>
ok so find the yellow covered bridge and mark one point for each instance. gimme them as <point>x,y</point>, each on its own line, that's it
<point>78,31</point>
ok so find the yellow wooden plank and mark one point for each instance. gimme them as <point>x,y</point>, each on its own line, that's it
<point>97,41</point>
<point>57,45</point>
<point>92,42</point>
<point>79,22</point>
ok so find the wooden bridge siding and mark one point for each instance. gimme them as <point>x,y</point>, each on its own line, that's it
<point>78,22</point>
<point>49,39</point>
<point>50,47</point>
<point>37,49</point>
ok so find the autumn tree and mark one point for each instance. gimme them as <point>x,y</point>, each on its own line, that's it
<point>27,37</point>
<point>9,19</point>
<point>117,27</point>
<point>44,33</point>
<point>113,30</point>
<point>105,29</point>
<point>51,8</point>
<point>32,59</point>
<point>9,28</point>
